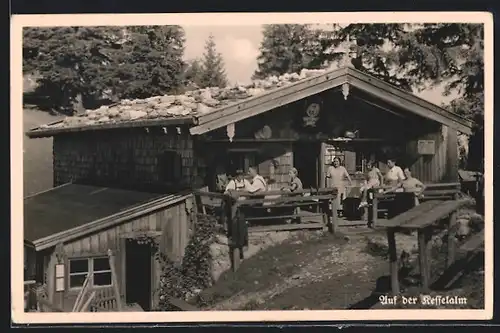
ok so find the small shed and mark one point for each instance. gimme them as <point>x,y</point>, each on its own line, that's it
<point>87,220</point>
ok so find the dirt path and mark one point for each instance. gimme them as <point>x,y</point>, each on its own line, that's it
<point>321,263</point>
<point>312,271</point>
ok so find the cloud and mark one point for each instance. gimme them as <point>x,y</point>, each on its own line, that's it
<point>238,45</point>
<point>239,50</point>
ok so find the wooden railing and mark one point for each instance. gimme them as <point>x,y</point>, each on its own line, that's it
<point>394,203</point>
<point>239,208</point>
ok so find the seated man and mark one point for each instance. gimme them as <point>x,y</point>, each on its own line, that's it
<point>409,185</point>
<point>238,183</point>
<point>258,183</point>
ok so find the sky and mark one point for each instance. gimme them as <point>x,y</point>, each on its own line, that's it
<point>239,46</point>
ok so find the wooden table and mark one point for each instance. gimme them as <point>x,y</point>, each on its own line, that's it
<point>421,218</point>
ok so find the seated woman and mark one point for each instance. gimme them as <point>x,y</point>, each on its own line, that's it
<point>374,179</point>
<point>410,185</point>
<point>295,182</point>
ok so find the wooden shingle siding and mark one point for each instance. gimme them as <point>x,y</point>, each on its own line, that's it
<point>123,156</point>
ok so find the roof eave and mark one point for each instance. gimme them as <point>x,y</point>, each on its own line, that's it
<point>107,222</point>
<point>49,132</point>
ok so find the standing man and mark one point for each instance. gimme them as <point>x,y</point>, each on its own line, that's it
<point>394,176</point>
<point>337,174</point>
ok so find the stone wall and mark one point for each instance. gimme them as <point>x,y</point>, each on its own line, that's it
<point>127,157</point>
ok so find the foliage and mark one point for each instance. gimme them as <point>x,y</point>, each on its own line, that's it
<point>194,272</point>
<point>288,48</point>
<point>192,73</point>
<point>417,57</point>
<point>212,73</point>
<point>103,63</point>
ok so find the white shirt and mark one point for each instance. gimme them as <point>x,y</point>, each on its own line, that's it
<point>395,174</point>
<point>235,185</point>
<point>258,184</point>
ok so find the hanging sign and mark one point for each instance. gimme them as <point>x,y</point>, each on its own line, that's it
<point>426,147</point>
<point>312,115</point>
<point>60,277</point>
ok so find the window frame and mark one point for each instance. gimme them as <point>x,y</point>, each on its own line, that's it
<point>90,270</point>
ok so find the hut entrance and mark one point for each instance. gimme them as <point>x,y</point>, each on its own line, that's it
<point>306,157</point>
<point>138,273</point>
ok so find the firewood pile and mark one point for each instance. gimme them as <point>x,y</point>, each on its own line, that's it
<point>200,101</point>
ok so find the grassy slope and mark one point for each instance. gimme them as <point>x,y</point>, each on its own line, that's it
<point>37,154</point>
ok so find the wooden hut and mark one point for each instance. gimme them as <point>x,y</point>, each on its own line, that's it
<point>90,220</point>
<point>301,124</point>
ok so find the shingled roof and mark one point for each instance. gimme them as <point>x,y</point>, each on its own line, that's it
<point>72,210</point>
<point>211,108</point>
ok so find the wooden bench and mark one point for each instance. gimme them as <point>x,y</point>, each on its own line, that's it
<point>282,206</point>
<point>421,218</point>
<point>394,203</point>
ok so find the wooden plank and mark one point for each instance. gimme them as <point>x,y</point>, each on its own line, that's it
<point>114,278</point>
<point>268,101</point>
<point>182,305</point>
<point>47,132</point>
<point>286,227</point>
<point>452,224</point>
<point>474,243</point>
<point>393,261</point>
<point>86,305</point>
<point>312,203</point>
<point>409,215</point>
<point>423,238</point>
<point>277,217</point>
<point>443,192</point>
<point>249,202</point>
<point>431,216</point>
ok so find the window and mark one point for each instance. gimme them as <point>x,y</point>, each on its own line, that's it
<point>240,160</point>
<point>98,267</point>
<point>170,167</point>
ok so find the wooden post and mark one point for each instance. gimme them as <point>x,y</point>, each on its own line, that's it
<point>234,249</point>
<point>393,260</point>
<point>374,211</point>
<point>423,257</point>
<point>333,225</point>
<point>114,280</point>
<point>450,258</point>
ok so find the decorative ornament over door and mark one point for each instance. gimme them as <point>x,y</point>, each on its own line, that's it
<point>312,115</point>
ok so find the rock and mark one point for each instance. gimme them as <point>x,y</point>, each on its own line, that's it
<point>202,108</point>
<point>255,91</point>
<point>136,114</point>
<point>103,119</point>
<point>113,113</point>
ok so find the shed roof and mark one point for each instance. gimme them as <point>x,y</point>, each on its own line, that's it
<point>212,108</point>
<point>72,210</point>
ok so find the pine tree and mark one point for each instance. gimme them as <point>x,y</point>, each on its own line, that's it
<point>212,73</point>
<point>288,48</point>
<point>103,63</point>
<point>192,73</point>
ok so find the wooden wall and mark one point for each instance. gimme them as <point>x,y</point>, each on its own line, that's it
<point>440,167</point>
<point>170,225</point>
